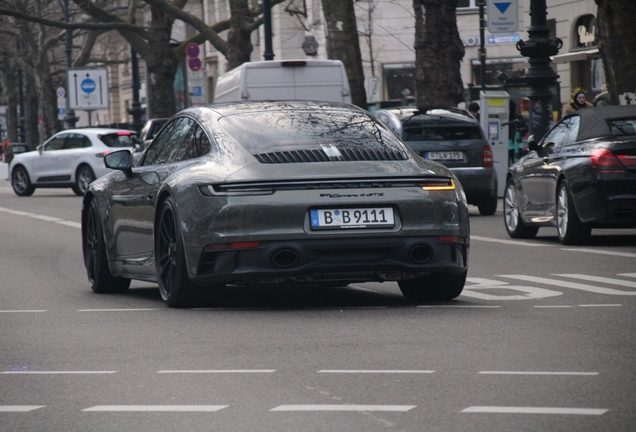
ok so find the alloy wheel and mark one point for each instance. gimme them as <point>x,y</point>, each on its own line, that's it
<point>562,211</point>
<point>167,253</point>
<point>511,213</point>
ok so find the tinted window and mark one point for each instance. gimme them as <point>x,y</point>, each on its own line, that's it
<point>424,132</point>
<point>56,143</point>
<point>275,131</point>
<point>117,139</point>
<point>561,134</point>
<point>76,141</point>
<point>165,147</point>
<point>194,145</point>
<point>623,126</point>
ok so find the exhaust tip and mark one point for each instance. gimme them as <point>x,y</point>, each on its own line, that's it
<point>285,258</point>
<point>420,254</point>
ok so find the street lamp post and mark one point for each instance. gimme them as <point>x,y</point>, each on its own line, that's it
<point>267,24</point>
<point>70,118</point>
<point>539,76</point>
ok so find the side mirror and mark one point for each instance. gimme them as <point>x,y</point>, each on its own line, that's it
<point>119,160</point>
<point>40,149</point>
<point>532,143</point>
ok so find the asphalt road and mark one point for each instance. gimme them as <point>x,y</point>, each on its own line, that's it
<point>542,339</point>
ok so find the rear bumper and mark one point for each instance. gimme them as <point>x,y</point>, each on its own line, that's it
<point>324,260</point>
<point>479,183</point>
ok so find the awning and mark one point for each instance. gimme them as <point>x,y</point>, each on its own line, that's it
<point>576,56</point>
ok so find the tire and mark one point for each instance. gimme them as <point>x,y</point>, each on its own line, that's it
<point>488,207</point>
<point>100,279</point>
<point>512,218</point>
<point>21,182</point>
<point>176,288</point>
<point>83,177</point>
<point>437,286</point>
<point>569,227</point>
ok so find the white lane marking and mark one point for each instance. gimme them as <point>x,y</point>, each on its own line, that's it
<point>553,307</point>
<point>628,274</point>
<point>400,408</point>
<point>345,371</point>
<point>536,373</point>
<point>534,410</point>
<point>582,287</point>
<point>23,311</point>
<point>601,252</point>
<point>512,242</point>
<point>601,305</point>
<point>155,408</point>
<point>610,281</point>
<point>481,284</point>
<point>459,306</point>
<point>118,310</point>
<point>195,371</point>
<point>42,217</point>
<point>71,224</point>
<point>19,408</point>
<point>57,372</point>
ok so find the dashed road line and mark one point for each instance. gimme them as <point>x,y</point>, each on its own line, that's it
<point>217,371</point>
<point>353,371</point>
<point>565,284</point>
<point>460,306</point>
<point>601,305</point>
<point>119,310</point>
<point>155,408</point>
<point>23,311</point>
<point>601,252</point>
<point>395,408</point>
<point>19,408</point>
<point>590,278</point>
<point>536,373</point>
<point>20,372</point>
<point>534,410</point>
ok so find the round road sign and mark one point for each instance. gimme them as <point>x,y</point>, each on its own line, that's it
<point>192,50</point>
<point>61,92</point>
<point>88,85</point>
<point>194,64</point>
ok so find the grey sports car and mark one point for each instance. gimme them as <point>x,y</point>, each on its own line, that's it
<point>291,192</point>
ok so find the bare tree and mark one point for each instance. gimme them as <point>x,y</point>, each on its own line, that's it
<point>438,53</point>
<point>617,44</point>
<point>343,44</point>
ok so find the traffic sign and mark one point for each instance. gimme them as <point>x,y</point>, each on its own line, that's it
<point>192,50</point>
<point>61,92</point>
<point>88,89</point>
<point>503,16</point>
<point>194,64</point>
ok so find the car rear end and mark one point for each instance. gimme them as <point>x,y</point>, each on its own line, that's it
<point>458,144</point>
<point>108,141</point>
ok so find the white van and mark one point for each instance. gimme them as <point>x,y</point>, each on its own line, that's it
<point>318,80</point>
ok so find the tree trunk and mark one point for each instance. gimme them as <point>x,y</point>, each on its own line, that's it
<point>438,53</point>
<point>31,111</point>
<point>239,37</point>
<point>617,44</point>
<point>162,66</point>
<point>343,44</point>
<point>10,83</point>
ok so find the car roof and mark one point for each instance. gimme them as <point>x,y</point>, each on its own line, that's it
<point>433,114</point>
<point>229,108</point>
<point>594,120</point>
<point>96,130</point>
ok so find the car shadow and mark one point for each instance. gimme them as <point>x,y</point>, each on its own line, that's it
<point>288,297</point>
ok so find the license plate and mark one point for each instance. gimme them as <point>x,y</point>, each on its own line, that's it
<point>347,218</point>
<point>444,155</point>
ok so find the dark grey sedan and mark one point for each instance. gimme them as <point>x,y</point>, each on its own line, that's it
<point>452,137</point>
<point>273,193</point>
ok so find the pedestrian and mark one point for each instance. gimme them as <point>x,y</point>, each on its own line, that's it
<point>577,102</point>
<point>473,108</point>
<point>603,98</point>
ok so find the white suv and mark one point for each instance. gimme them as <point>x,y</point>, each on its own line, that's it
<point>71,158</point>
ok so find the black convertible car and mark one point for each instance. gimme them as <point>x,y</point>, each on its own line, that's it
<point>295,192</point>
<point>581,175</point>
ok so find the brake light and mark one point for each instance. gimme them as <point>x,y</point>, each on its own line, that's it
<point>124,133</point>
<point>436,185</point>
<point>628,161</point>
<point>101,155</point>
<point>605,160</point>
<point>487,158</point>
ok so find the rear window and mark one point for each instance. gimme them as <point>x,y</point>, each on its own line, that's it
<point>421,132</point>
<point>623,126</point>
<point>118,139</point>
<point>278,131</point>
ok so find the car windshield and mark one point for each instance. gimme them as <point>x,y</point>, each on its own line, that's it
<point>427,132</point>
<point>623,126</point>
<point>282,130</point>
<point>118,139</point>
